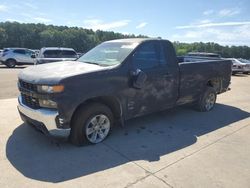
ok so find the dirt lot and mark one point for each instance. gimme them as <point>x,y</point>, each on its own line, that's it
<point>176,148</point>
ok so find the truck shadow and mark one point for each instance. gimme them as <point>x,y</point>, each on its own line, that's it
<point>145,138</point>
<point>17,67</point>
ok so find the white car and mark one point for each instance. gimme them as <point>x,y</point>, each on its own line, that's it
<point>17,56</point>
<point>1,51</point>
<point>238,66</point>
<point>247,67</point>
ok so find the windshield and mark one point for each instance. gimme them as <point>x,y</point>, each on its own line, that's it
<point>108,53</point>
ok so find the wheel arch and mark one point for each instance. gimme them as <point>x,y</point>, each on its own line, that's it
<point>11,59</point>
<point>216,83</point>
<point>110,101</point>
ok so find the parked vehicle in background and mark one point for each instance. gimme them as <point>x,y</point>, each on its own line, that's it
<point>247,65</point>
<point>116,81</point>
<point>36,51</point>
<point>204,54</point>
<point>79,54</point>
<point>17,56</point>
<point>199,56</point>
<point>238,66</point>
<point>1,51</point>
<point>55,54</point>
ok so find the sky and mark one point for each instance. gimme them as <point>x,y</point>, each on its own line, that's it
<point>226,22</point>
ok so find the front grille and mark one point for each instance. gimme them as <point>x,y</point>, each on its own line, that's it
<point>30,101</point>
<point>28,86</point>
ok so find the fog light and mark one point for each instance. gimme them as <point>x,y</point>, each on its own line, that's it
<point>61,121</point>
<point>47,103</point>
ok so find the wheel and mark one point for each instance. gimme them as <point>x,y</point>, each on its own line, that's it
<point>207,100</point>
<point>233,73</point>
<point>91,124</point>
<point>11,63</point>
<point>245,72</point>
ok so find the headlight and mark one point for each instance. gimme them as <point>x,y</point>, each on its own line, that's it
<point>47,103</point>
<point>50,89</point>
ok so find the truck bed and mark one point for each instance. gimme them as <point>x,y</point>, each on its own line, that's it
<point>194,75</point>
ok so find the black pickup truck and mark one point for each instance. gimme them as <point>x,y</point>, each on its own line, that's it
<point>115,81</point>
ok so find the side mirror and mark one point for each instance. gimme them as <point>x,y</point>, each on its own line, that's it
<point>139,79</point>
<point>33,56</point>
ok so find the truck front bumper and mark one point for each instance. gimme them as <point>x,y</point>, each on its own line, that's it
<point>43,119</point>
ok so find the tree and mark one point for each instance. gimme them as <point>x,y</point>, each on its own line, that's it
<point>36,36</point>
<point>3,37</point>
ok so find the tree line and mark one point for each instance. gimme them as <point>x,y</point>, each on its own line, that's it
<point>210,47</point>
<point>36,36</point>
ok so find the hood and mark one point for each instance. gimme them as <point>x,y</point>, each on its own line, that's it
<point>239,63</point>
<point>53,73</point>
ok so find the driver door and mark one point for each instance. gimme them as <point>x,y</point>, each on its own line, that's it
<point>159,91</point>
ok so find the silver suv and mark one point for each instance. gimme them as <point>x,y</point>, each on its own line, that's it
<point>17,56</point>
<point>55,54</point>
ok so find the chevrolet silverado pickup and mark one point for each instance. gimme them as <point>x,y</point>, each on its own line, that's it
<point>115,81</point>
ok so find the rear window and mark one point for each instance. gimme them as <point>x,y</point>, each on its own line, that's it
<point>52,54</point>
<point>68,54</point>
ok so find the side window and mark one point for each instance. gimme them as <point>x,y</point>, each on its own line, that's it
<point>69,54</point>
<point>52,54</point>
<point>19,51</point>
<point>146,56</point>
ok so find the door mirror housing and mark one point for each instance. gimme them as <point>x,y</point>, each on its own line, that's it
<point>33,56</point>
<point>139,79</point>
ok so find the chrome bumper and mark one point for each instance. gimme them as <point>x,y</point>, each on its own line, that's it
<point>45,116</point>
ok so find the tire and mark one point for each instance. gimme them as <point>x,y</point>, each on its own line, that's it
<point>207,100</point>
<point>96,118</point>
<point>233,73</point>
<point>10,63</point>
<point>245,72</point>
